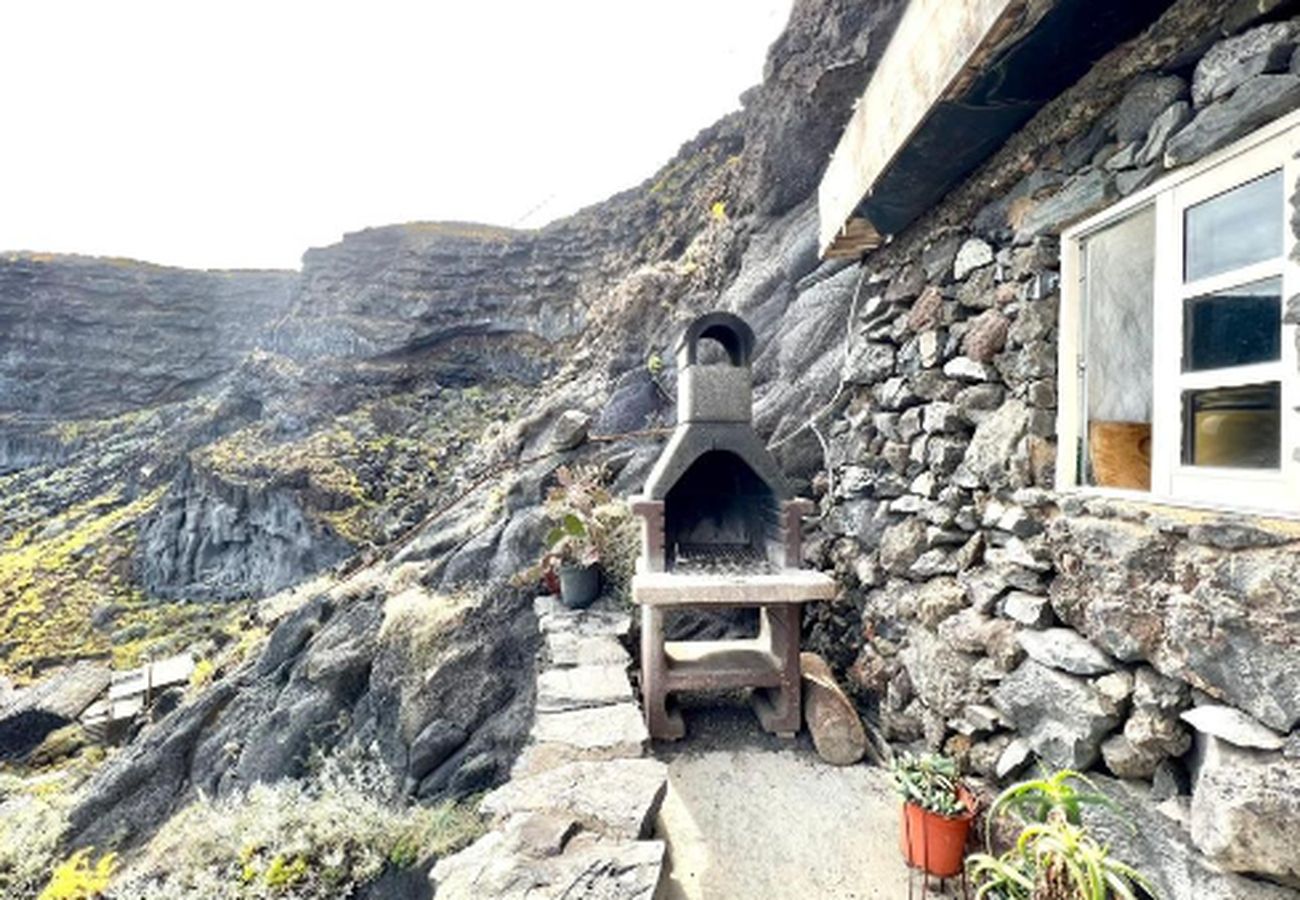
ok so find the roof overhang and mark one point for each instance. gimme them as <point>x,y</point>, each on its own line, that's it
<point>956,81</point>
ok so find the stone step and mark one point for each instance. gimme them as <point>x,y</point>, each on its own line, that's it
<point>591,868</point>
<point>566,648</point>
<point>613,731</point>
<point>616,798</point>
<point>582,687</point>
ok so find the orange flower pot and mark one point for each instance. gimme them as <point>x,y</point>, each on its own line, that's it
<point>937,843</point>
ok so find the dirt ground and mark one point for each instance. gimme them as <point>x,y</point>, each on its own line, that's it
<point>751,816</point>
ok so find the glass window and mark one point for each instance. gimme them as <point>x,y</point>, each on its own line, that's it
<point>1234,327</point>
<point>1236,427</point>
<point>1234,229</point>
<point>1119,285</point>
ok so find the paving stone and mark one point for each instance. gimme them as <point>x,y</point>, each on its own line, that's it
<point>564,648</point>
<point>582,687</point>
<point>553,616</point>
<point>617,798</point>
<point>614,731</point>
<point>590,869</point>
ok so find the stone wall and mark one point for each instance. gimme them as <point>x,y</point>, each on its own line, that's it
<point>986,614</point>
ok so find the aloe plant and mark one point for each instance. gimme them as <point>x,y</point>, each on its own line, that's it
<point>1035,799</point>
<point>1054,857</point>
<point>1056,860</point>
<point>930,781</point>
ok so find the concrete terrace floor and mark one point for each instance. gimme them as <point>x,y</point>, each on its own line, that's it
<point>752,816</point>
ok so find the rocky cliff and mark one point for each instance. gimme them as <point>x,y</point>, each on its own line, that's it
<point>390,419</point>
<point>91,338</point>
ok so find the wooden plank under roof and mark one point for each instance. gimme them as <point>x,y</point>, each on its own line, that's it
<point>956,80</point>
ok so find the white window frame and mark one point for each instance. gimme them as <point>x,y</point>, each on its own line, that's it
<point>1273,491</point>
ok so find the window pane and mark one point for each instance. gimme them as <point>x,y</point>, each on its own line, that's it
<point>1236,327</point>
<point>1118,295</point>
<point>1234,229</point>
<point>1239,427</point>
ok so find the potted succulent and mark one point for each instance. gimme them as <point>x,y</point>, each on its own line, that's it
<point>581,512</point>
<point>937,813</point>
<point>1054,857</point>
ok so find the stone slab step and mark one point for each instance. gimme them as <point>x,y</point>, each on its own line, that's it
<point>616,798</point>
<point>566,648</point>
<point>554,616</point>
<point>582,687</point>
<point>591,869</point>
<point>616,730</point>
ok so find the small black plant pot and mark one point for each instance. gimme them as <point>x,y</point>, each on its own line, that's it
<point>579,585</point>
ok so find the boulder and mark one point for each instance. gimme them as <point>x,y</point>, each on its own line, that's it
<point>1155,839</point>
<point>972,255</point>
<point>1194,612</point>
<point>636,401</point>
<point>1079,196</point>
<point>1261,99</point>
<point>988,457</point>
<point>1014,757</point>
<point>1162,129</point>
<point>570,430</point>
<point>1030,610</point>
<point>431,747</point>
<point>986,336</point>
<point>1148,739</point>
<point>1233,726</point>
<point>869,363</point>
<point>1062,717</point>
<point>940,674</point>
<point>901,544</point>
<point>831,717</point>
<point>1235,60</point>
<point>1067,650</point>
<point>1246,810</point>
<point>1144,102</point>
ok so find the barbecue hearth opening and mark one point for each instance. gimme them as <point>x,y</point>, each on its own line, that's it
<point>721,517</point>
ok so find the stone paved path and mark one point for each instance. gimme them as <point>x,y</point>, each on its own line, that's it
<point>574,820</point>
<point>751,816</point>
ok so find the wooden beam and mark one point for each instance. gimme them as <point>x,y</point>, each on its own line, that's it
<point>929,57</point>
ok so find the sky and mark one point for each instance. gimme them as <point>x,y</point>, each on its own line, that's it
<point>236,134</point>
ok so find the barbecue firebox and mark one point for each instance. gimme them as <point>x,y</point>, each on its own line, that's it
<point>720,528</point>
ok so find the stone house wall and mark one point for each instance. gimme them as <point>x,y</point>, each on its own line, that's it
<point>989,615</point>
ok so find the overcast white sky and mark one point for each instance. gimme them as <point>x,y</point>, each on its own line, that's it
<point>237,134</point>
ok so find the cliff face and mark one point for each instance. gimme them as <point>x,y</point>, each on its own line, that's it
<point>88,338</point>
<point>233,450</point>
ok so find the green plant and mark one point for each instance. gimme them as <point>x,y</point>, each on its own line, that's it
<point>1035,799</point>
<point>1056,860</point>
<point>581,512</point>
<point>1054,857</point>
<point>930,781</point>
<point>318,838</point>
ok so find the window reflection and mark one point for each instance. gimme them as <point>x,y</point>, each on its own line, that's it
<point>1237,427</point>
<point>1236,228</point>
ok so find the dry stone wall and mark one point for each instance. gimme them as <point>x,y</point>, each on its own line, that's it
<point>985,613</point>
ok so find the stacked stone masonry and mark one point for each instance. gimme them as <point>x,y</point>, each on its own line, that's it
<point>574,819</point>
<point>986,614</point>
